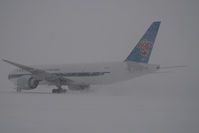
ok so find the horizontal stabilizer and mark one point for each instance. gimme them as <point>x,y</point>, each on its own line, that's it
<point>172,67</point>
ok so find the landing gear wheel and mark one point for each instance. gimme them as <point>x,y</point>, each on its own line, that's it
<point>59,91</point>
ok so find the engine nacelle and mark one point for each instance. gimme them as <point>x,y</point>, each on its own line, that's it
<point>27,83</point>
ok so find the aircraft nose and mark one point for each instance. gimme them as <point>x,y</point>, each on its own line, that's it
<point>158,67</point>
<point>9,76</point>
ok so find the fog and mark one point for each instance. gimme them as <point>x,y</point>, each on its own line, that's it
<point>64,32</point>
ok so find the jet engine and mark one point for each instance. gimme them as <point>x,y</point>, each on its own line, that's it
<point>27,83</point>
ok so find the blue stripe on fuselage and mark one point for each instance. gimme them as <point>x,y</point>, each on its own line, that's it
<point>73,74</point>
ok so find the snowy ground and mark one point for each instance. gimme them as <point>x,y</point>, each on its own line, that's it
<point>96,112</point>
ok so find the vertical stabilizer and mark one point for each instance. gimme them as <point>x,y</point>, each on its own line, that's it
<point>142,51</point>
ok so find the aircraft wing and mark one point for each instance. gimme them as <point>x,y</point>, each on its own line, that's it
<point>40,74</point>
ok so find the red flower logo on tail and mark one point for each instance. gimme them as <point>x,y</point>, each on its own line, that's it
<point>144,47</point>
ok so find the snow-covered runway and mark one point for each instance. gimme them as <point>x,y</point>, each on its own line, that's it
<point>94,112</point>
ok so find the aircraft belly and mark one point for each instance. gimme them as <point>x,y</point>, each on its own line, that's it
<point>104,79</point>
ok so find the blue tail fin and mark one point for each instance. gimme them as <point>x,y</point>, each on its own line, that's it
<point>142,51</point>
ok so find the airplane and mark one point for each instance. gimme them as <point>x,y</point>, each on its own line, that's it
<point>82,76</point>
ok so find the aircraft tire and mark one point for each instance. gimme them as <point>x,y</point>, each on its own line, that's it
<point>58,91</point>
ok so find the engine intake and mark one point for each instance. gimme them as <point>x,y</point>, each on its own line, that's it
<point>27,83</point>
<point>33,83</point>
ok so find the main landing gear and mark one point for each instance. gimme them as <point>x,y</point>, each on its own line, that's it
<point>59,90</point>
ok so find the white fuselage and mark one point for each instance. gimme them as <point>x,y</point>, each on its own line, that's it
<point>93,73</point>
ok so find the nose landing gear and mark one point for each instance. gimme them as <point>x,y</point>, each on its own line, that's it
<point>18,90</point>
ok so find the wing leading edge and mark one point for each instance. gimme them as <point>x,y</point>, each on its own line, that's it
<point>40,74</point>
